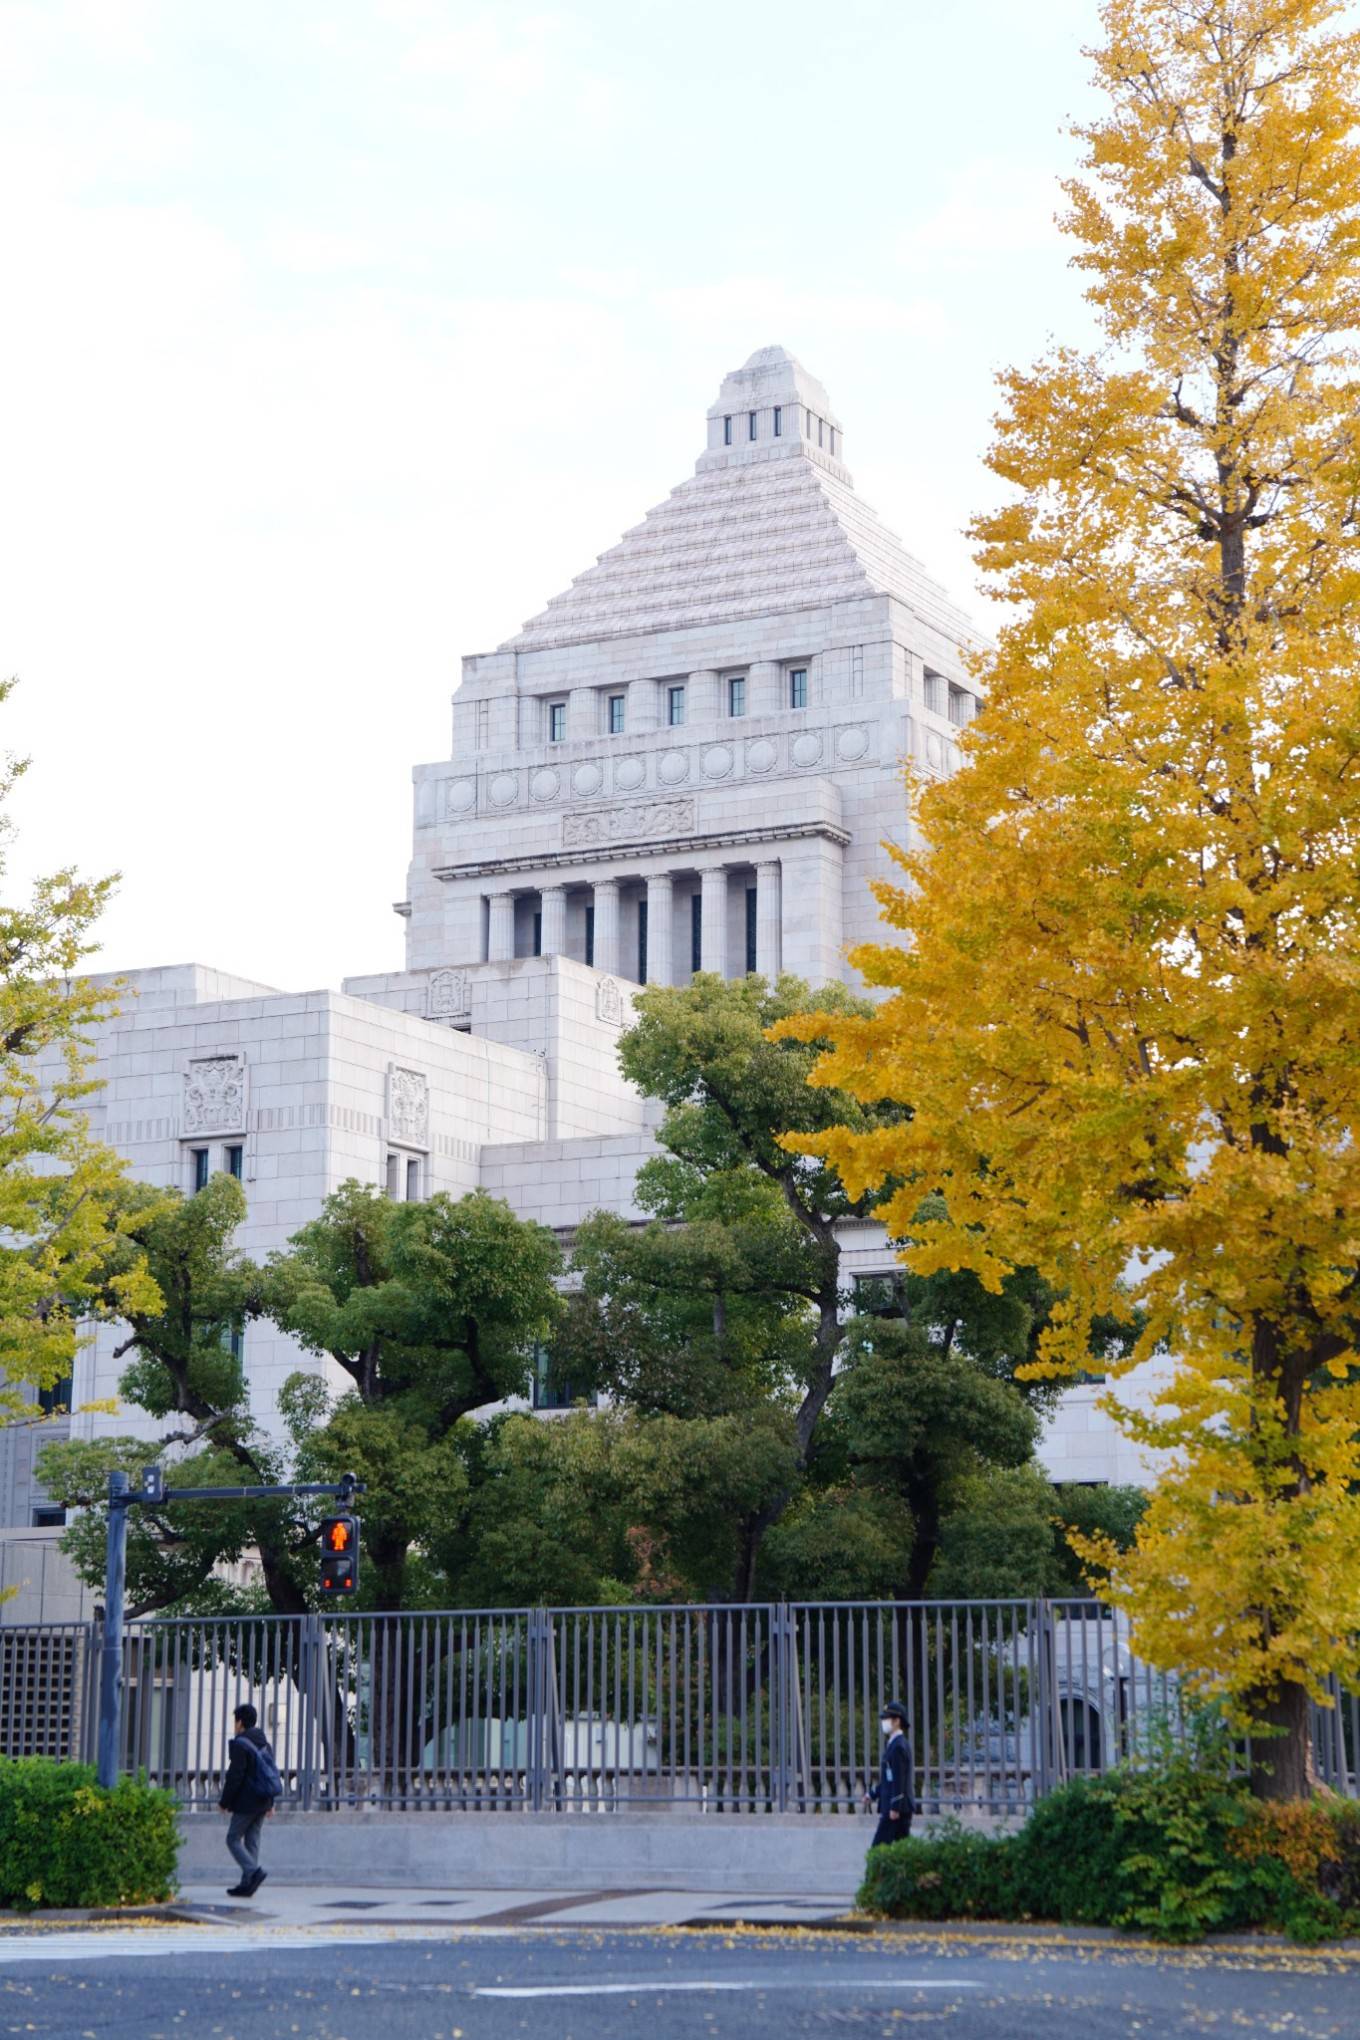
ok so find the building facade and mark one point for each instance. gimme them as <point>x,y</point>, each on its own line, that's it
<point>689,760</point>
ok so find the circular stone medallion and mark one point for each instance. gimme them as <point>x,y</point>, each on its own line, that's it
<point>459,796</point>
<point>629,773</point>
<point>760,755</point>
<point>717,761</point>
<point>504,788</point>
<point>806,748</point>
<point>587,779</point>
<point>545,784</point>
<point>672,767</point>
<point>852,743</point>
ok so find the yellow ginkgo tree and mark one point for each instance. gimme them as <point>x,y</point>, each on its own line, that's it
<point>1125,1008</point>
<point>66,1249</point>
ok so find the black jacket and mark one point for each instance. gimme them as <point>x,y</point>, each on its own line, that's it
<point>893,1792</point>
<point>238,1790</point>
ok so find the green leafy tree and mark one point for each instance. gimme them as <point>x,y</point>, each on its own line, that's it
<point>184,1369</point>
<point>429,1311</point>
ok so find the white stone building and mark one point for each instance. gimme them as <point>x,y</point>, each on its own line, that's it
<point>689,760</point>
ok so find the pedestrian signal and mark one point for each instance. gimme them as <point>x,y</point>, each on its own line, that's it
<point>339,1556</point>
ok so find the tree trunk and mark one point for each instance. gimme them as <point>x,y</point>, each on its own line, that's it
<point>1282,1764</point>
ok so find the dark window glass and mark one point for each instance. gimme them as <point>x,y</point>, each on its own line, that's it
<point>832,430</point>
<point>57,1397</point>
<point>235,1161</point>
<point>727,431</point>
<point>47,1516</point>
<point>557,722</point>
<point>750,928</point>
<point>235,1342</point>
<point>778,421</point>
<point>412,1181</point>
<point>537,949</point>
<point>736,696</point>
<point>696,932</point>
<point>675,706</point>
<point>616,714</point>
<point>590,934</point>
<point>200,1168</point>
<point>798,687</point>
<point>642,942</point>
<point>819,432</point>
<point>878,1295</point>
<point>750,424</point>
<point>550,1390</point>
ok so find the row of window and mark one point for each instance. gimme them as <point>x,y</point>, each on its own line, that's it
<point>616,708</point>
<point>401,1178</point>
<point>200,1164</point>
<point>826,433</point>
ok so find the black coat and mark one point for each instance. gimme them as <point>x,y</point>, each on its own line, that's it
<point>238,1789</point>
<point>893,1793</point>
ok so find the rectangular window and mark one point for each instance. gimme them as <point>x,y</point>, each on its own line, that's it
<point>235,1161</point>
<point>47,1516</point>
<point>832,430</point>
<point>236,1343</point>
<point>557,721</point>
<point>750,929</point>
<point>675,706</point>
<point>590,935</point>
<point>798,687</point>
<point>642,943</point>
<point>779,421</point>
<point>412,1180</point>
<point>618,708</point>
<point>696,932</point>
<point>727,431</point>
<point>819,432</point>
<point>57,1397</point>
<point>198,1162</point>
<point>736,695</point>
<point>549,1389</point>
<point>537,949</point>
<point>392,1184</point>
<point>750,424</point>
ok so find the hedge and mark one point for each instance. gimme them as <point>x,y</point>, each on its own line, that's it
<point>1171,1850</point>
<point>64,1841</point>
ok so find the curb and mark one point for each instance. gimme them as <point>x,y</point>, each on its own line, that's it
<point>1053,1934</point>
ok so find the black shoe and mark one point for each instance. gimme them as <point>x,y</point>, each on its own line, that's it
<point>239,1890</point>
<point>256,1880</point>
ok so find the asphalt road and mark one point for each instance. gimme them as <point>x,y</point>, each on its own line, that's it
<point>603,1986</point>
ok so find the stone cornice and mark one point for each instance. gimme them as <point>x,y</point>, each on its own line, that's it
<point>653,847</point>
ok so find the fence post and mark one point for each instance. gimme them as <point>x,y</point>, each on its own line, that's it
<point>536,1709</point>
<point>778,1703</point>
<point>309,1646</point>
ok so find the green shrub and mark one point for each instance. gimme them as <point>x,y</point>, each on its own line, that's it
<point>66,1842</point>
<point>952,1874</point>
<point>1067,1856</point>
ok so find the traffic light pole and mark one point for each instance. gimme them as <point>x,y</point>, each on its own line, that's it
<point>152,1492</point>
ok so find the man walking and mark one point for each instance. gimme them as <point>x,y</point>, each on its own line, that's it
<point>893,1793</point>
<point>249,1790</point>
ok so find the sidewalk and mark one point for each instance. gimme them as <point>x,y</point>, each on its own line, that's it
<point>285,1904</point>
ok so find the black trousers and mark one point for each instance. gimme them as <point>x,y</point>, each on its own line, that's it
<point>890,1830</point>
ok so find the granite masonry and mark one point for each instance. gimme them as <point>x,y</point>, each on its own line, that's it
<point>689,760</point>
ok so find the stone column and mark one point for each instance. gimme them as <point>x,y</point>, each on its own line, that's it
<point>703,703</point>
<point>553,901</point>
<point>767,920</point>
<point>713,920</point>
<point>583,717</point>
<point>501,939</point>
<point>660,938</point>
<point>643,711</point>
<point>762,694</point>
<point>607,924</point>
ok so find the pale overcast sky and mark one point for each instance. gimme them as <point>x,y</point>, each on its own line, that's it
<point>339,337</point>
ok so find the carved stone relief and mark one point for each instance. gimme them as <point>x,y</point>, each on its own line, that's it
<point>609,1003</point>
<point>634,823</point>
<point>450,995</point>
<point>215,1095</point>
<point>408,1106</point>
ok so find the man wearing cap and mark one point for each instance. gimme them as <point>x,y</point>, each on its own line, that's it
<point>893,1794</point>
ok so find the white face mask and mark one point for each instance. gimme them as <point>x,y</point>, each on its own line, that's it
<point>888,1726</point>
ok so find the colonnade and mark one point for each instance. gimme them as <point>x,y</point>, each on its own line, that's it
<point>658,888</point>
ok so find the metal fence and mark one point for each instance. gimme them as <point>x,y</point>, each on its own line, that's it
<point>750,1709</point>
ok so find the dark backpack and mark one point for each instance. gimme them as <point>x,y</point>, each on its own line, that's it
<point>263,1771</point>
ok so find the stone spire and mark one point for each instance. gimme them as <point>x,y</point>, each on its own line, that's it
<point>768,409</point>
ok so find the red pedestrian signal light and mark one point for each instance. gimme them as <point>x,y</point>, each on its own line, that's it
<point>339,1557</point>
